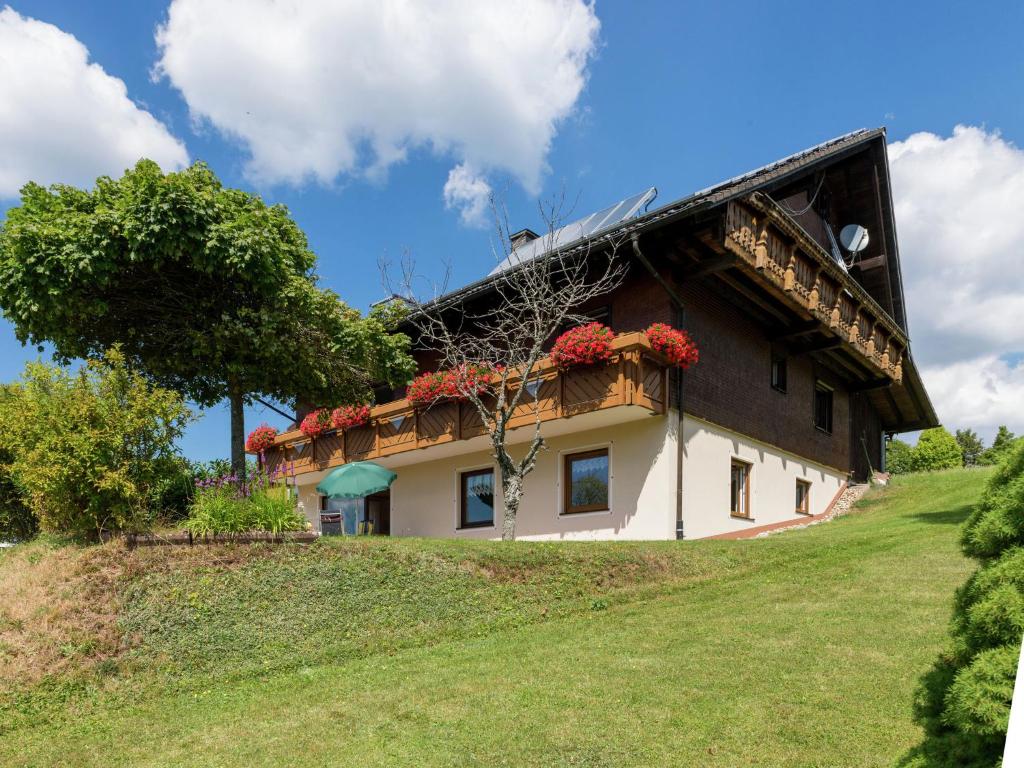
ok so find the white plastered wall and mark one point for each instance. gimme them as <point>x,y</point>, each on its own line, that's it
<point>309,503</point>
<point>708,453</point>
<point>643,456</point>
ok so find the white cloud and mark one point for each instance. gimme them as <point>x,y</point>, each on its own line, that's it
<point>469,193</point>
<point>64,119</point>
<point>321,88</point>
<point>958,212</point>
<point>980,393</point>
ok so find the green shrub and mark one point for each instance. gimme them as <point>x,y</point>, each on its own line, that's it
<point>17,523</point>
<point>898,456</point>
<point>90,448</point>
<point>964,702</point>
<point>936,449</point>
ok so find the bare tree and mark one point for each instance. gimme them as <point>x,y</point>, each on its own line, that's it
<point>537,291</point>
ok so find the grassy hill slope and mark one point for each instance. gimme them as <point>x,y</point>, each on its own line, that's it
<point>802,648</point>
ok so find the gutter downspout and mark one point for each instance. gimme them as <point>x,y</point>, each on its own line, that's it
<point>681,321</point>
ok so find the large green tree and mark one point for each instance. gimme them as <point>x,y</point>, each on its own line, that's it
<point>971,446</point>
<point>1001,447</point>
<point>207,289</point>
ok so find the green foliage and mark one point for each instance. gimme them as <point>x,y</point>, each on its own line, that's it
<point>224,510</point>
<point>898,456</point>
<point>1000,448</point>
<point>971,446</point>
<point>90,448</point>
<point>997,524</point>
<point>935,449</point>
<point>964,702</point>
<point>208,290</point>
<point>17,523</point>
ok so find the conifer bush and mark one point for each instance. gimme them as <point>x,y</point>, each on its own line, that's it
<point>964,702</point>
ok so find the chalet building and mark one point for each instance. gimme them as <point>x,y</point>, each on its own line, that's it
<point>805,366</point>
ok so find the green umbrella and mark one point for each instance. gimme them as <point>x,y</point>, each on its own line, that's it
<point>353,481</point>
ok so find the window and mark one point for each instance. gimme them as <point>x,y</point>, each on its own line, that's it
<point>803,497</point>
<point>602,314</point>
<point>740,489</point>
<point>476,498</point>
<point>779,373</point>
<point>586,481</point>
<point>823,407</point>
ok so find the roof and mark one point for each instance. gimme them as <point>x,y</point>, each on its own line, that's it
<point>740,186</point>
<point>705,198</point>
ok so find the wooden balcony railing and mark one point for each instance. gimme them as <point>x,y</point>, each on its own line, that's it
<point>636,375</point>
<point>769,244</point>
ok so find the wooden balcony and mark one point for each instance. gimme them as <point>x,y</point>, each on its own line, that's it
<point>636,375</point>
<point>807,278</point>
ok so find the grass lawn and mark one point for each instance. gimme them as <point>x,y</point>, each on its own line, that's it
<point>803,648</point>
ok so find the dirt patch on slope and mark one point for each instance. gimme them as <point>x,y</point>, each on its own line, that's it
<point>59,604</point>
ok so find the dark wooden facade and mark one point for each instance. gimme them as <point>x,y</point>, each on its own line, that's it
<point>749,269</point>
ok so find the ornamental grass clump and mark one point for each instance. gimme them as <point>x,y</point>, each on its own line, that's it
<point>677,346</point>
<point>588,344</point>
<point>229,506</point>
<point>350,416</point>
<point>964,701</point>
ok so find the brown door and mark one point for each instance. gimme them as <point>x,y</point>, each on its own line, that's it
<point>378,512</point>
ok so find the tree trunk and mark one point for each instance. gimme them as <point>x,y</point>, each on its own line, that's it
<point>512,493</point>
<point>237,400</point>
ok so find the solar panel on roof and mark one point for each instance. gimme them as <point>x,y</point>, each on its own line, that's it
<point>588,226</point>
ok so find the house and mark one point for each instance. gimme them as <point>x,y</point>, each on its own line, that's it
<point>805,367</point>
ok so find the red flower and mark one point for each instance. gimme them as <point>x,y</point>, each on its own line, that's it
<point>676,346</point>
<point>588,344</point>
<point>260,439</point>
<point>426,389</point>
<point>456,384</point>
<point>350,416</point>
<point>316,422</point>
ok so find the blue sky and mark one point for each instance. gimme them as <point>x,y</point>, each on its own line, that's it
<point>675,95</point>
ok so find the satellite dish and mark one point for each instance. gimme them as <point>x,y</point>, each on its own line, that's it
<point>854,238</point>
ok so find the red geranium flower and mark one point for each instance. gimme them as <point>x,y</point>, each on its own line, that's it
<point>426,389</point>
<point>350,416</point>
<point>316,422</point>
<point>456,384</point>
<point>588,344</point>
<point>260,439</point>
<point>675,345</point>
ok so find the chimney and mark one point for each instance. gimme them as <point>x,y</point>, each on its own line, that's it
<point>522,237</point>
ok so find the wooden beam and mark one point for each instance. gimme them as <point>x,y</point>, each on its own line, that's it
<point>873,263</point>
<point>870,384</point>
<point>796,330</point>
<point>820,346</point>
<point>753,297</point>
<point>707,267</point>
